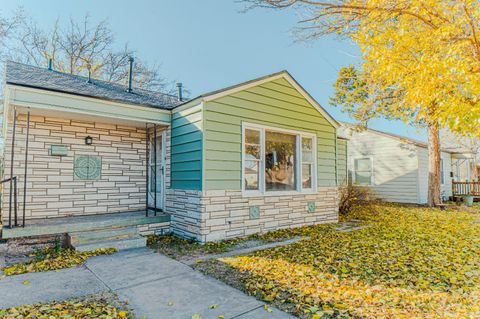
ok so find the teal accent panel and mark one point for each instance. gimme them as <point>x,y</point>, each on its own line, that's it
<point>87,167</point>
<point>311,207</point>
<point>254,212</point>
<point>342,161</point>
<point>275,103</point>
<point>186,148</point>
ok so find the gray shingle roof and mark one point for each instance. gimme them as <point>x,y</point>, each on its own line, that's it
<point>42,78</point>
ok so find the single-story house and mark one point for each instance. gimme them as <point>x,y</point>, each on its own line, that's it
<point>103,162</point>
<point>396,167</point>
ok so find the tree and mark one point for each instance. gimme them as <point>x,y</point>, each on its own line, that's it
<point>80,47</point>
<point>420,61</point>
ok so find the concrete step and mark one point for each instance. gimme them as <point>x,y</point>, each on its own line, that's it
<point>120,244</point>
<point>77,238</point>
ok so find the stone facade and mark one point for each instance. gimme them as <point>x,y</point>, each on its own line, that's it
<point>185,208</point>
<point>52,190</point>
<point>224,214</point>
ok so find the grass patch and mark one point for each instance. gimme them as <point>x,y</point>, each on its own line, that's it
<point>54,259</point>
<point>92,308</point>
<point>176,247</point>
<point>412,262</point>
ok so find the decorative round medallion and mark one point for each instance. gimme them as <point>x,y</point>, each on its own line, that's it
<point>87,167</point>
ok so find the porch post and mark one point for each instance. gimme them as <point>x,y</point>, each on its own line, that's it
<point>155,167</point>
<point>11,168</point>
<point>26,165</point>
<point>147,167</point>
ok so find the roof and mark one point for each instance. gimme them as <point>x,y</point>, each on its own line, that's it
<point>266,78</point>
<point>398,137</point>
<point>51,80</point>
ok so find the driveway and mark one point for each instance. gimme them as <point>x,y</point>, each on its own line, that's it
<point>154,285</point>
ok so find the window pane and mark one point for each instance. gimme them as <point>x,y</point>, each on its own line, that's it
<point>252,137</point>
<point>363,178</point>
<point>442,176</point>
<point>307,149</point>
<point>280,158</point>
<point>251,175</point>
<point>363,164</point>
<point>252,152</point>
<point>306,175</point>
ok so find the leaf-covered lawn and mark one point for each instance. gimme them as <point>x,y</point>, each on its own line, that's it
<point>52,259</point>
<point>177,248</point>
<point>411,263</point>
<point>78,309</point>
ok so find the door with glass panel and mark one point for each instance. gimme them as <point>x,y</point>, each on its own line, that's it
<point>156,173</point>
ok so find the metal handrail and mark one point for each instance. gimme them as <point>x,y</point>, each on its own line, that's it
<point>14,180</point>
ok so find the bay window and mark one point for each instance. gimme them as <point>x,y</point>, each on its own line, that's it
<point>277,160</point>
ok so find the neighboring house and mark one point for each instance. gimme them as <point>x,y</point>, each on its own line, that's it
<point>253,157</point>
<point>395,167</point>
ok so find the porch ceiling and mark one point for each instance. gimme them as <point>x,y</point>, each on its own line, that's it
<point>84,117</point>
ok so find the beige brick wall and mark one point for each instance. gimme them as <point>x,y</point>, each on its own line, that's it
<point>51,188</point>
<point>220,214</point>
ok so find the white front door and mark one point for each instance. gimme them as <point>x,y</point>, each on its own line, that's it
<point>156,173</point>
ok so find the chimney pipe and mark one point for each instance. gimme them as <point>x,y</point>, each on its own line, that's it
<point>50,63</point>
<point>89,74</point>
<point>130,74</point>
<point>179,91</point>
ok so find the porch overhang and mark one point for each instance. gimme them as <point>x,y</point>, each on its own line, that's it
<point>45,102</point>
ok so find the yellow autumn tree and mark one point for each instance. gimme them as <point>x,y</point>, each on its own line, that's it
<point>420,60</point>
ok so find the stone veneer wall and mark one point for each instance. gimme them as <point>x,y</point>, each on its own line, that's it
<point>186,211</point>
<point>52,190</point>
<point>219,214</point>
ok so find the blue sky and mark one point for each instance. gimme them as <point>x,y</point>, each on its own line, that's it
<point>211,44</point>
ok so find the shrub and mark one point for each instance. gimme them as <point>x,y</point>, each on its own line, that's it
<point>351,195</point>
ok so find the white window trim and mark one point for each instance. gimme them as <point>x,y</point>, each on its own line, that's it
<point>372,178</point>
<point>298,165</point>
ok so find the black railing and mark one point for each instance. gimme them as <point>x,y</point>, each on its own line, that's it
<point>13,197</point>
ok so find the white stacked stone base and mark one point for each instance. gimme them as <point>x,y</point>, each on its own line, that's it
<point>223,214</point>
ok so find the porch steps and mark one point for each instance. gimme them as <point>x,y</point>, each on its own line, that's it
<point>79,238</point>
<point>119,238</point>
<point>63,225</point>
<point>120,244</point>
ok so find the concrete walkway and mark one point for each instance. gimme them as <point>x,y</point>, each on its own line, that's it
<point>155,286</point>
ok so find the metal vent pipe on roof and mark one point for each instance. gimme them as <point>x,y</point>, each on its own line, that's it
<point>50,64</point>
<point>130,74</point>
<point>179,91</point>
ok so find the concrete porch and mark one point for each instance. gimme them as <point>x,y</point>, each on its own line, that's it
<point>50,226</point>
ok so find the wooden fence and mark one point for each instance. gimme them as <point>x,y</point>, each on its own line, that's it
<point>466,188</point>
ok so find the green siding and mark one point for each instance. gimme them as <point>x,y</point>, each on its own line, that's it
<point>342,161</point>
<point>186,148</point>
<point>275,103</point>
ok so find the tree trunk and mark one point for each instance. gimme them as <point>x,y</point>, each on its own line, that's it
<point>433,165</point>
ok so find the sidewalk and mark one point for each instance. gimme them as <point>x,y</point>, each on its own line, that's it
<point>154,285</point>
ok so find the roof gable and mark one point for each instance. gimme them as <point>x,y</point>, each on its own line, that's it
<point>281,81</point>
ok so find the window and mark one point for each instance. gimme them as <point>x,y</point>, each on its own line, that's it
<point>280,158</point>
<point>277,160</point>
<point>363,174</point>
<point>307,162</point>
<point>252,159</point>
<point>442,176</point>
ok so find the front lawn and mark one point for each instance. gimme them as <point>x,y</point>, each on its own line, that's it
<point>410,263</point>
<point>93,307</point>
<point>53,259</point>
